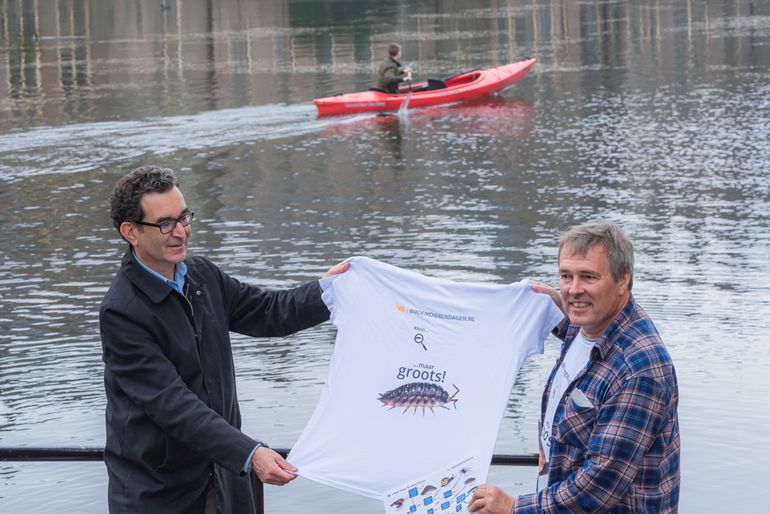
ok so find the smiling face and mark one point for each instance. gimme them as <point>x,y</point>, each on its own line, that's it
<point>590,295</point>
<point>159,252</point>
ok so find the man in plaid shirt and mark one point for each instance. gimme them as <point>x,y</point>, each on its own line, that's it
<point>610,432</point>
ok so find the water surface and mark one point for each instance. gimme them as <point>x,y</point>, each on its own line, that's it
<point>654,114</point>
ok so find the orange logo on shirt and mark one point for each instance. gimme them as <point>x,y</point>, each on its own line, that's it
<point>400,307</point>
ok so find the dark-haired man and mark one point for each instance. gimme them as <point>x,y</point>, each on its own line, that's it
<point>173,423</point>
<point>391,73</point>
<point>609,428</point>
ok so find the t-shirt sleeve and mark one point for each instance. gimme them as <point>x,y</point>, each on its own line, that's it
<point>553,317</point>
<point>543,314</point>
<point>329,297</point>
<point>333,292</point>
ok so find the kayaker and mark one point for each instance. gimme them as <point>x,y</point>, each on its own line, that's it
<point>391,73</point>
<point>174,443</point>
<point>610,433</point>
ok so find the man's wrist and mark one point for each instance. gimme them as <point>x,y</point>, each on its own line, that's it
<point>247,465</point>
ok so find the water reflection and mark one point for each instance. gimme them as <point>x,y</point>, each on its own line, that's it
<point>77,60</point>
<point>651,113</point>
<point>499,116</point>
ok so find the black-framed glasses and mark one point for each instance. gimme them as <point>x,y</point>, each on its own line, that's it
<point>167,226</point>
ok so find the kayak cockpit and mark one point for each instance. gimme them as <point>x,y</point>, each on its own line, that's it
<point>421,87</point>
<point>434,84</point>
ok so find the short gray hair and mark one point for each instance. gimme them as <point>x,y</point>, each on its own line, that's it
<point>620,250</point>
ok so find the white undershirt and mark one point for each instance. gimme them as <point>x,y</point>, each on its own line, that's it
<point>574,362</point>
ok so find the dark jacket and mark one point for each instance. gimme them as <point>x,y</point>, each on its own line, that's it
<point>390,74</point>
<point>172,412</point>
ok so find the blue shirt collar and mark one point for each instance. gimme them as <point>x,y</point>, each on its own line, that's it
<point>180,270</point>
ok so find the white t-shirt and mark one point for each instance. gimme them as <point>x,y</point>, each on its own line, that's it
<point>574,362</point>
<point>420,375</point>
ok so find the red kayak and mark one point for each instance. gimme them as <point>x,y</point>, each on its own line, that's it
<point>466,86</point>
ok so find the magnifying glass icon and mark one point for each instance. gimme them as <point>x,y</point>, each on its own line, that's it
<point>418,338</point>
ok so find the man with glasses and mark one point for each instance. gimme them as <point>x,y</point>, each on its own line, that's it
<point>173,423</point>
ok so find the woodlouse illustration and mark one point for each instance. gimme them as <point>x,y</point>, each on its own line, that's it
<point>427,489</point>
<point>419,394</point>
<point>398,503</point>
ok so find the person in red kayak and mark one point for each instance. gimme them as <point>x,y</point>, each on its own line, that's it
<point>391,73</point>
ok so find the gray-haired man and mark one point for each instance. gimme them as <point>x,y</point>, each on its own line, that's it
<point>609,427</point>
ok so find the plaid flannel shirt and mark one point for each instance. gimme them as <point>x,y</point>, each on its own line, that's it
<point>622,454</point>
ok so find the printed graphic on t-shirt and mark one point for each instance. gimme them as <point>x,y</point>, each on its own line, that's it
<point>429,388</point>
<point>419,395</point>
<point>443,491</point>
<point>575,360</point>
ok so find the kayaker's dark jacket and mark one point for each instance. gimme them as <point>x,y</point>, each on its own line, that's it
<point>390,74</point>
<point>172,412</point>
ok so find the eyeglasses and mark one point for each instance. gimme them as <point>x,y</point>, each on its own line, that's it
<point>167,226</point>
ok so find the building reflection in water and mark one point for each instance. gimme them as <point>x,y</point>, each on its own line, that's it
<point>65,61</point>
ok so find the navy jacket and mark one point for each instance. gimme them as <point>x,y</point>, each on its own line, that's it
<point>173,420</point>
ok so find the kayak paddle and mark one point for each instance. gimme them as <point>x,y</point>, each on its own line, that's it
<point>405,103</point>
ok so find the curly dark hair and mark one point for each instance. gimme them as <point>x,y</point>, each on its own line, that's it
<point>126,197</point>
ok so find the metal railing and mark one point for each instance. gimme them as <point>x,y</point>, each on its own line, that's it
<point>97,454</point>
